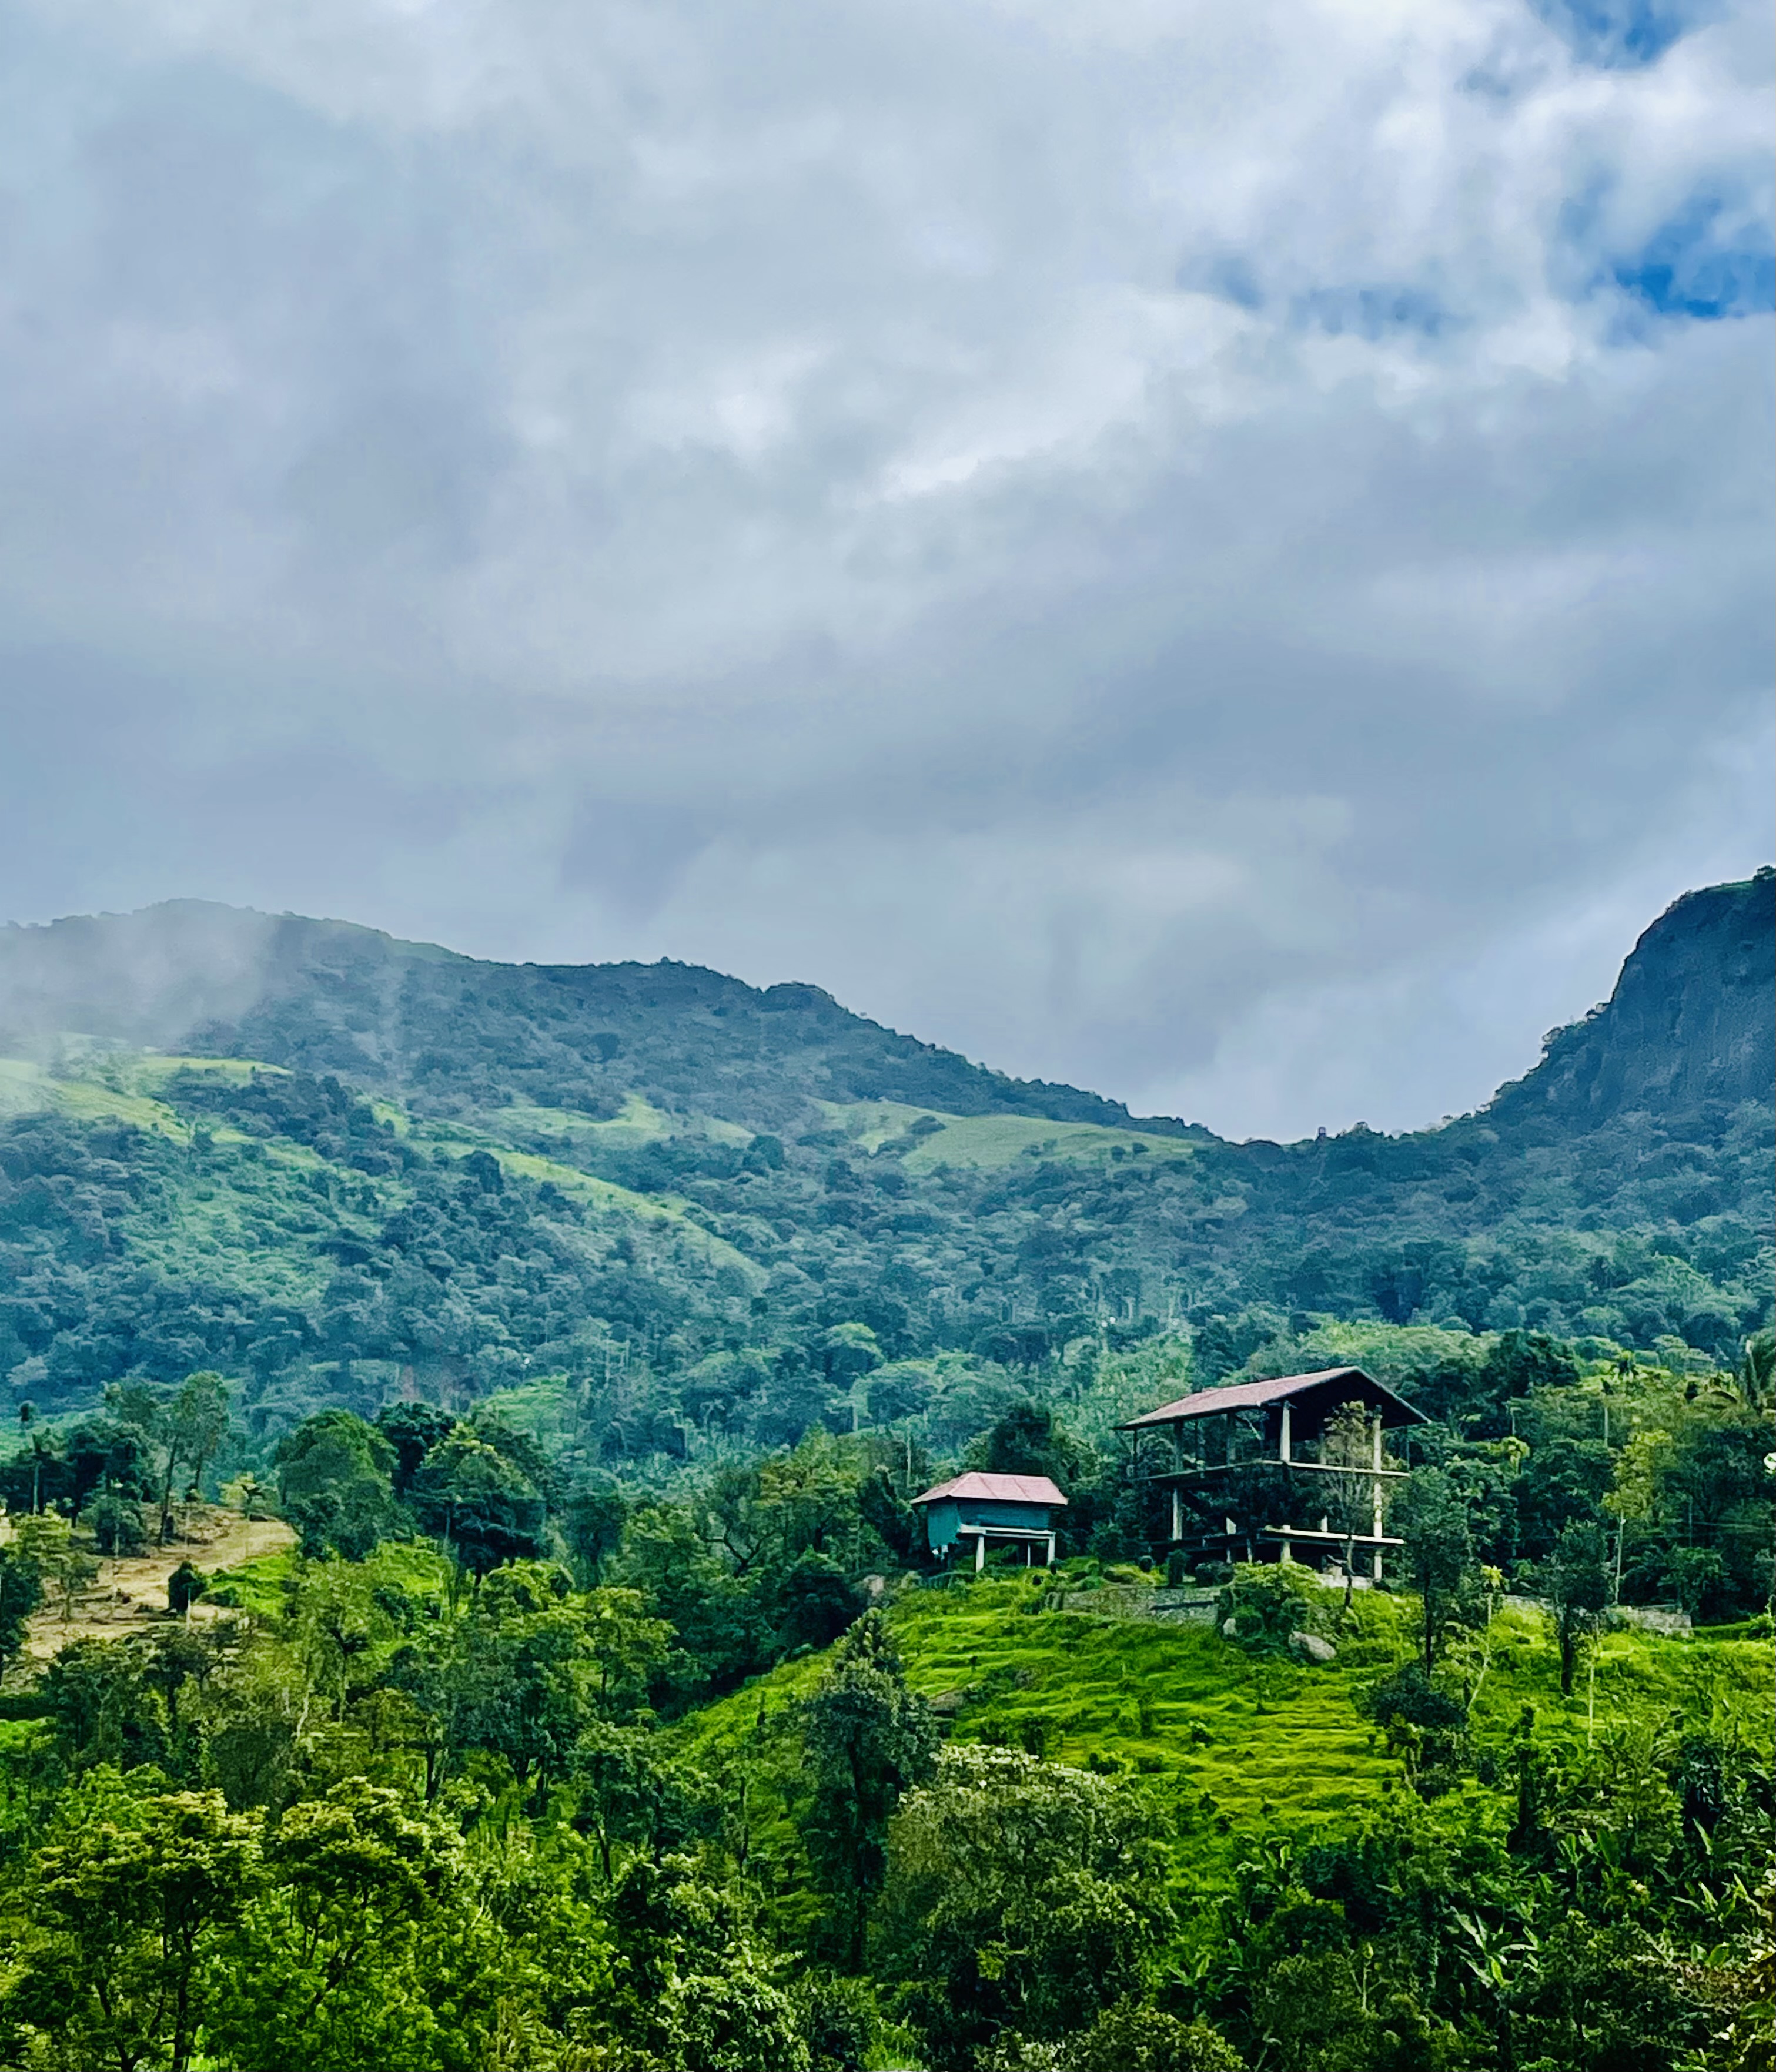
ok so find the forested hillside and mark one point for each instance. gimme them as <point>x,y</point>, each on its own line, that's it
<point>346,1168</point>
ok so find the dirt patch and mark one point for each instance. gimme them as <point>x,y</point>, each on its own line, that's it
<point>130,1594</point>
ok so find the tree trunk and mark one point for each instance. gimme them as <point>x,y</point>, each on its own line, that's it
<point>167,1496</point>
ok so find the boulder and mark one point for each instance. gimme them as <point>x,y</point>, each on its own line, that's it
<point>1311,1648</point>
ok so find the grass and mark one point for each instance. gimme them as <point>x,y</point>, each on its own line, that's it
<point>987,1141</point>
<point>243,1214</point>
<point>637,1122</point>
<point>256,1586</point>
<point>260,1586</point>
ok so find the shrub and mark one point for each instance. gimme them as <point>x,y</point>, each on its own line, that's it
<point>1269,1604</point>
<point>118,1527</point>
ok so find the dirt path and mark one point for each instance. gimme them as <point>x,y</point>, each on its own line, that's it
<point>130,1594</point>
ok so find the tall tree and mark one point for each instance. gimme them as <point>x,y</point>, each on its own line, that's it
<point>1350,1494</point>
<point>21,1592</point>
<point>1575,1578</point>
<point>1433,1520</point>
<point>868,1739</point>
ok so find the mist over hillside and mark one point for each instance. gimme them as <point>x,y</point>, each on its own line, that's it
<point>346,1167</point>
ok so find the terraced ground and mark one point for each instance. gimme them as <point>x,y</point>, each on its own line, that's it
<point>1238,1746</point>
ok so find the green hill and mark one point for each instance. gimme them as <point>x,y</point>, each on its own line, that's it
<point>340,1167</point>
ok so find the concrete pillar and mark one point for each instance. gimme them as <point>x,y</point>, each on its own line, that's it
<point>1283,1448</point>
<point>1178,1514</point>
<point>980,1552</point>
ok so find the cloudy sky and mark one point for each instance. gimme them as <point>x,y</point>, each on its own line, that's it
<point>1216,550</point>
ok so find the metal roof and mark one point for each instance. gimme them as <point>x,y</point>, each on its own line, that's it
<point>997,1489</point>
<point>1252,1394</point>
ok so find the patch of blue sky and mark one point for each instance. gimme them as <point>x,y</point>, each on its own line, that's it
<point>1622,35</point>
<point>1375,311</point>
<point>1704,265</point>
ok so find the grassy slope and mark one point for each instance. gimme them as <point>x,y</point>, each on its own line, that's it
<point>1242,1746</point>
<point>988,1142</point>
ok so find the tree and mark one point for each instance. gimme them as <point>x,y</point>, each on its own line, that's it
<point>485,1509</point>
<point>1130,2037</point>
<point>333,1481</point>
<point>183,1431</point>
<point>48,1543</point>
<point>1351,1496</point>
<point>337,1964</point>
<point>1757,1370</point>
<point>625,1795</point>
<point>128,1903</point>
<point>27,1416</point>
<point>21,1592</point>
<point>592,1524</point>
<point>696,1991</point>
<point>200,1424</point>
<point>118,1527</point>
<point>1030,1440</point>
<point>1607,1999</point>
<point>818,1601</point>
<point>413,1429</point>
<point>1433,1520</point>
<point>868,1739</point>
<point>1328,2012</point>
<point>1576,1580</point>
<point>1020,1896</point>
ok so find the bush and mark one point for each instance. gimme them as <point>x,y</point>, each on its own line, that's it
<point>118,1527</point>
<point>184,1587</point>
<point>1128,2037</point>
<point>1268,1604</point>
<point>1424,1723</point>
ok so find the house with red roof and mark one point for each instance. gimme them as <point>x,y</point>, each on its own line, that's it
<point>978,1510</point>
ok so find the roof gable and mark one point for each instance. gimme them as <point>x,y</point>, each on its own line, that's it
<point>1255,1395</point>
<point>997,1489</point>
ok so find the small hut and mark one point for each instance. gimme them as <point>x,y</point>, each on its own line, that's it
<point>1016,1511</point>
<point>1251,1475</point>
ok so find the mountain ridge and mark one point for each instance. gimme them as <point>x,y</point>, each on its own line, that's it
<point>327,995</point>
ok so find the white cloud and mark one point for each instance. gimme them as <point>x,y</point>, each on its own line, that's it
<point>1144,541</point>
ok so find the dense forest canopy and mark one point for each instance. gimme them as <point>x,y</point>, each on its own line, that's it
<point>580,1340</point>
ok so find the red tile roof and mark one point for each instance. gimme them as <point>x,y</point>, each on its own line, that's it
<point>1252,1395</point>
<point>997,1489</point>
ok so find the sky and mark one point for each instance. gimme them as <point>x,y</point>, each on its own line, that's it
<point>1219,552</point>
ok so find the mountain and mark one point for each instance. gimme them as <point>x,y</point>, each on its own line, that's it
<point>340,1167</point>
<point>425,1024</point>
<point>1693,1020</point>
